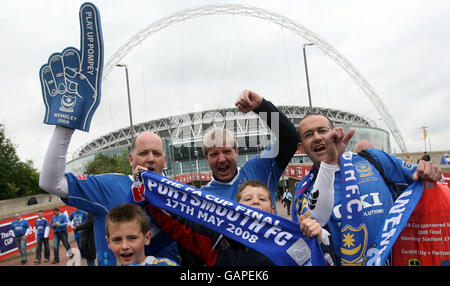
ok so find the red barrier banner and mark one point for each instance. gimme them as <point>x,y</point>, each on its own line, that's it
<point>187,178</point>
<point>425,240</point>
<point>8,247</point>
<point>297,172</point>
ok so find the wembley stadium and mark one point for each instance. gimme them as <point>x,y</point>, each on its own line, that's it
<point>182,137</point>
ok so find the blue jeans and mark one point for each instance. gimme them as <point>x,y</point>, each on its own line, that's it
<point>21,243</point>
<point>39,242</point>
<point>57,237</point>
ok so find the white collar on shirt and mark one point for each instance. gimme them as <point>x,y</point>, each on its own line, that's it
<point>225,183</point>
<point>148,260</point>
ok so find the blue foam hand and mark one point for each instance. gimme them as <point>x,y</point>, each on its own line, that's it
<point>71,80</point>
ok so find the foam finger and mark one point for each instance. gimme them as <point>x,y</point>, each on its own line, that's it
<point>71,59</point>
<point>57,67</point>
<point>91,43</point>
<point>48,81</point>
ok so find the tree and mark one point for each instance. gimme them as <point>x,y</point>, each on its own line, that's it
<point>16,178</point>
<point>102,164</point>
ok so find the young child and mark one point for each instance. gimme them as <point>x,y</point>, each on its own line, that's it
<point>213,248</point>
<point>127,234</point>
<point>255,194</point>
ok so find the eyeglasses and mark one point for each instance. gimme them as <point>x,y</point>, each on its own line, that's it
<point>322,130</point>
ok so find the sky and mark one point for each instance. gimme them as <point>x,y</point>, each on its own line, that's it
<point>400,47</point>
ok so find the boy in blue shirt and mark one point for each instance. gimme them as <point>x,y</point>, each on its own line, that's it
<point>21,229</point>
<point>59,224</point>
<point>42,230</point>
<point>127,234</point>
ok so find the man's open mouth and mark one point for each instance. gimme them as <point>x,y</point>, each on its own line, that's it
<point>319,148</point>
<point>223,168</point>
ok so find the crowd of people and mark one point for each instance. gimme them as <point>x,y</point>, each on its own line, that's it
<point>123,238</point>
<point>59,223</point>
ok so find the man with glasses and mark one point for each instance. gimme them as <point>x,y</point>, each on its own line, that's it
<point>321,193</point>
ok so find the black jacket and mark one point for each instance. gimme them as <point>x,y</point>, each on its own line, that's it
<point>87,238</point>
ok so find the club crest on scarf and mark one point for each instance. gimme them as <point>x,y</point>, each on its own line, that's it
<point>364,170</point>
<point>304,208</point>
<point>354,245</point>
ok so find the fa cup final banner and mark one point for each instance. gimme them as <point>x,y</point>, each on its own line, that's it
<point>276,237</point>
<point>425,240</point>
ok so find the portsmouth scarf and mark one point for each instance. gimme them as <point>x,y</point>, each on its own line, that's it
<point>354,232</point>
<point>353,229</point>
<point>276,237</point>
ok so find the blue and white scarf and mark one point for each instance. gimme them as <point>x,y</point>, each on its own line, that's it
<point>353,229</point>
<point>276,237</point>
<point>394,223</point>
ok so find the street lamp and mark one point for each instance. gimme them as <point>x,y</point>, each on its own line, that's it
<point>129,99</point>
<point>172,154</point>
<point>190,164</point>
<point>196,155</point>
<point>306,72</point>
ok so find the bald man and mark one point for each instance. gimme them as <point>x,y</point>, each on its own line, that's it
<point>361,145</point>
<point>97,194</point>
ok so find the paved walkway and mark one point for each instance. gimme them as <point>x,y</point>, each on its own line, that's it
<point>282,211</point>
<point>63,258</point>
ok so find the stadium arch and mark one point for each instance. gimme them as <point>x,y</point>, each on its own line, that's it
<point>275,18</point>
